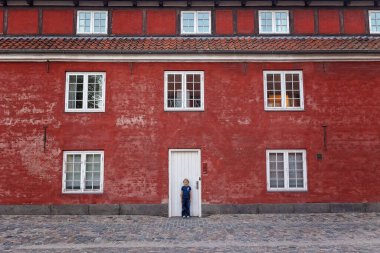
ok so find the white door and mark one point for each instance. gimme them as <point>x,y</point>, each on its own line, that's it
<point>184,163</point>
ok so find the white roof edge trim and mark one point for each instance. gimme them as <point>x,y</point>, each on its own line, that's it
<point>188,57</point>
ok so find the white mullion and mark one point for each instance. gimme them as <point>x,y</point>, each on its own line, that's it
<point>274,22</point>
<point>283,91</point>
<point>101,172</point>
<point>286,169</point>
<point>184,102</point>
<point>196,22</point>
<point>82,174</point>
<point>64,173</point>
<point>202,91</point>
<point>92,22</point>
<point>85,92</point>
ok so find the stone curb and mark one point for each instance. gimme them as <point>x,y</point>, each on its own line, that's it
<point>207,209</point>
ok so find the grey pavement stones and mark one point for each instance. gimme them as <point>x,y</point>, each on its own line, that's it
<point>318,232</point>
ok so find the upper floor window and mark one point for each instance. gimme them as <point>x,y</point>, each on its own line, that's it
<point>83,172</point>
<point>286,170</point>
<point>195,22</point>
<point>274,22</point>
<point>92,22</point>
<point>374,21</point>
<point>184,91</point>
<point>85,92</point>
<point>283,90</point>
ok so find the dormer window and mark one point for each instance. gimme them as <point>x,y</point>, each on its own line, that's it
<point>374,21</point>
<point>195,22</point>
<point>274,22</point>
<point>92,22</point>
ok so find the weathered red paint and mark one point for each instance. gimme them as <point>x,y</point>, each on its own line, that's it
<point>329,21</point>
<point>224,22</point>
<point>354,21</point>
<point>233,132</point>
<point>161,22</point>
<point>127,22</point>
<point>303,21</point>
<point>1,21</point>
<point>58,21</point>
<point>23,21</point>
<point>245,22</point>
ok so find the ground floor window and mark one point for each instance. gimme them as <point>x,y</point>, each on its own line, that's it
<point>286,170</point>
<point>83,171</point>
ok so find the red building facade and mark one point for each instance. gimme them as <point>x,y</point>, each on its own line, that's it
<point>266,106</point>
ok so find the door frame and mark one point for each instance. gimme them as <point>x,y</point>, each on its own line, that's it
<point>200,182</point>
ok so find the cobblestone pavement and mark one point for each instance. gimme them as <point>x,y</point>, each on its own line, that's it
<point>348,232</point>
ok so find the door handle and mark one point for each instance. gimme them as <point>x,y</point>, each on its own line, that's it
<point>197,185</point>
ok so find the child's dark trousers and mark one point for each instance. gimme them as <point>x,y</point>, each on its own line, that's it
<point>185,207</point>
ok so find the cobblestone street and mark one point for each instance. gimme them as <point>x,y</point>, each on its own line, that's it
<point>343,232</point>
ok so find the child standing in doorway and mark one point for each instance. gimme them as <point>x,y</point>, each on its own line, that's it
<point>186,198</point>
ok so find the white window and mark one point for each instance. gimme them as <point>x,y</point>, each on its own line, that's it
<point>85,92</point>
<point>184,91</point>
<point>195,22</point>
<point>374,21</point>
<point>283,90</point>
<point>286,170</point>
<point>83,172</point>
<point>92,22</point>
<point>274,22</point>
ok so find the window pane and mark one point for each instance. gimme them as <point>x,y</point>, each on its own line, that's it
<point>75,96</point>
<point>203,22</point>
<point>375,21</point>
<point>276,170</point>
<point>100,20</point>
<point>193,96</point>
<point>281,22</point>
<point>174,90</point>
<point>84,22</point>
<point>266,21</point>
<point>273,90</point>
<point>188,22</point>
<point>293,93</point>
<point>95,94</point>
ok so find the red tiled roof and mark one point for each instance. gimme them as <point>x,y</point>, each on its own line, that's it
<point>162,45</point>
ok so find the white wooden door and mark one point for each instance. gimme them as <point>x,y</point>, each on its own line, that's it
<point>184,163</point>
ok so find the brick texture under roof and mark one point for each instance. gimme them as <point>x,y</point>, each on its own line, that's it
<point>162,45</point>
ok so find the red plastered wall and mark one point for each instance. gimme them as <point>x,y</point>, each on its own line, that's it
<point>22,21</point>
<point>58,21</point>
<point>303,21</point>
<point>127,22</point>
<point>224,22</point>
<point>161,22</point>
<point>1,21</point>
<point>245,22</point>
<point>233,132</point>
<point>354,22</point>
<point>329,21</point>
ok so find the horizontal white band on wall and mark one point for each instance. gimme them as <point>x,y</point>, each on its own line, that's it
<point>344,57</point>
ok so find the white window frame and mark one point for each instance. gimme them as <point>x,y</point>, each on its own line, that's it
<point>85,92</point>
<point>370,22</point>
<point>83,189</point>
<point>283,91</point>
<point>196,22</point>
<point>286,170</point>
<point>274,22</point>
<point>92,26</point>
<point>183,108</point>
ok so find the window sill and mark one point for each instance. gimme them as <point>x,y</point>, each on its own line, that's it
<point>287,190</point>
<point>183,110</point>
<point>284,109</point>
<point>82,192</point>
